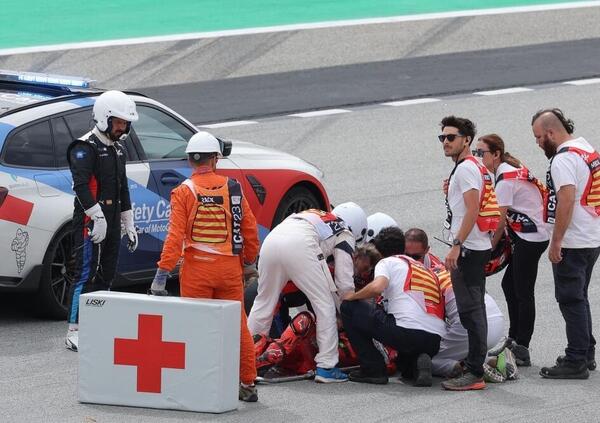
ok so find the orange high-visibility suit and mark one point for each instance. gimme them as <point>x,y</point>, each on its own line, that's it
<point>213,224</point>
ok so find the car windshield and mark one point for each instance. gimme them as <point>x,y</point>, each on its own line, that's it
<point>10,99</point>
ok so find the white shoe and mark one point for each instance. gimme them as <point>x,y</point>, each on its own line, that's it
<point>72,340</point>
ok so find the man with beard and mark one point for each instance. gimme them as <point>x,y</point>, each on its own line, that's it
<point>102,205</point>
<point>573,207</point>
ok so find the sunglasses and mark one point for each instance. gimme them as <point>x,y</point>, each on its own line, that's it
<point>450,137</point>
<point>479,152</point>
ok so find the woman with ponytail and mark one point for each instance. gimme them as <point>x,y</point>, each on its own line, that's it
<point>521,200</point>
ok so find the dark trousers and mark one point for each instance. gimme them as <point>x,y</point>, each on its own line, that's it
<point>363,322</point>
<point>468,283</point>
<point>91,259</point>
<point>518,285</point>
<point>571,281</point>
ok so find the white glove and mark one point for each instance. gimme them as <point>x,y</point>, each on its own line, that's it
<point>98,231</point>
<point>128,228</point>
<point>159,283</point>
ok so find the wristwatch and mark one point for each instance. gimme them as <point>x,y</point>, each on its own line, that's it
<point>456,242</point>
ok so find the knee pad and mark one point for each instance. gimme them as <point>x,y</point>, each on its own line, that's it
<point>302,323</point>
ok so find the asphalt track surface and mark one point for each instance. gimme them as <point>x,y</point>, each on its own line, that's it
<point>386,159</point>
<point>368,83</point>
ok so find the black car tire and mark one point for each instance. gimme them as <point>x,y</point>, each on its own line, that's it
<point>53,292</point>
<point>295,200</point>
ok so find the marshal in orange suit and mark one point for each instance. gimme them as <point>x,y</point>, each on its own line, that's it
<point>211,222</point>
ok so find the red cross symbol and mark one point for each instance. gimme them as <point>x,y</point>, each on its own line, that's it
<point>149,353</point>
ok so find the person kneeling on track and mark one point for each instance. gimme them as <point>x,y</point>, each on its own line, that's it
<point>455,342</point>
<point>212,223</point>
<point>294,352</point>
<point>411,321</point>
<point>297,250</point>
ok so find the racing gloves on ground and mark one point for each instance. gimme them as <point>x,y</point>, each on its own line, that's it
<point>97,232</point>
<point>159,283</point>
<point>128,228</point>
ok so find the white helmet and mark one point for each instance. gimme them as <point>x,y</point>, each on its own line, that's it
<point>113,104</point>
<point>203,142</point>
<point>376,222</point>
<point>355,217</point>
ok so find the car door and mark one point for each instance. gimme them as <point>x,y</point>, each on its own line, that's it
<point>142,191</point>
<point>162,138</point>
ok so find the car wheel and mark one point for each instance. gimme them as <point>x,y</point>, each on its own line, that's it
<point>295,200</point>
<point>57,272</point>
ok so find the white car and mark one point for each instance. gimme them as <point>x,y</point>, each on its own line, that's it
<point>40,115</point>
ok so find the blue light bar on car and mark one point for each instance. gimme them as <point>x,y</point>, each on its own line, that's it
<point>46,79</point>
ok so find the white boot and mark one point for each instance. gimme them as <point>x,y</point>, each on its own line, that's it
<point>72,340</point>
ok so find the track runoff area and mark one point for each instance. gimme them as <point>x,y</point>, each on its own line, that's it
<point>66,25</point>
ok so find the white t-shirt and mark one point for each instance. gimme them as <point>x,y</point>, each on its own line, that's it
<point>570,169</point>
<point>523,197</point>
<point>407,307</point>
<point>465,178</point>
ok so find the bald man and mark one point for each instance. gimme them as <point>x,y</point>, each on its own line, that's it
<point>573,211</point>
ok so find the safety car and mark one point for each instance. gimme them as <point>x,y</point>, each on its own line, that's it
<point>41,114</point>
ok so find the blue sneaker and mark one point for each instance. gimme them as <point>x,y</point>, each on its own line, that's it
<point>333,375</point>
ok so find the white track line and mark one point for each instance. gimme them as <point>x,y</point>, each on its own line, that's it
<point>320,113</point>
<point>583,81</point>
<point>296,27</point>
<point>410,102</point>
<point>504,91</point>
<point>228,124</point>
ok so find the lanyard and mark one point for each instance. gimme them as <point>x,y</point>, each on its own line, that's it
<point>448,222</point>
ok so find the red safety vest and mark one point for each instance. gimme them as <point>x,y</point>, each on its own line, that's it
<point>214,223</point>
<point>489,212</point>
<point>424,280</point>
<point>590,199</point>
<point>520,222</point>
